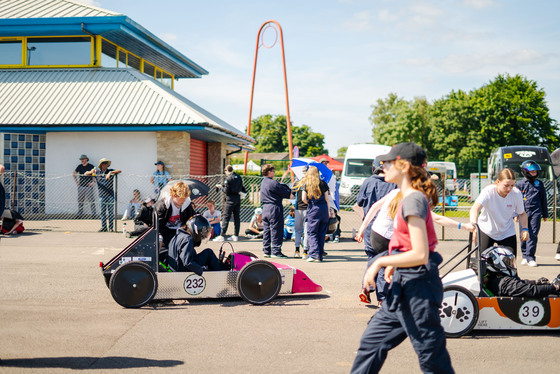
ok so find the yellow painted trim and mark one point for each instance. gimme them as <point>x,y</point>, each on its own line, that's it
<point>98,51</point>
<point>24,51</point>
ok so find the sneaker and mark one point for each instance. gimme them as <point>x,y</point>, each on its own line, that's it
<point>557,257</point>
<point>524,261</point>
<point>296,254</point>
<point>234,238</point>
<point>336,239</point>
<point>311,259</point>
<point>279,255</point>
<point>325,254</point>
<point>532,263</point>
<point>305,255</point>
<point>266,255</point>
<point>249,236</point>
<point>218,239</point>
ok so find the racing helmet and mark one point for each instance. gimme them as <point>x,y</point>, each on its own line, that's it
<point>528,166</point>
<point>500,259</point>
<point>199,228</point>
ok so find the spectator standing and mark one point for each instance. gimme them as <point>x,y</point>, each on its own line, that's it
<point>160,177</point>
<point>85,186</point>
<point>105,187</point>
<point>316,195</point>
<point>174,211</point>
<point>372,190</point>
<point>497,204</point>
<point>272,194</point>
<point>536,207</point>
<point>213,216</point>
<point>233,188</point>
<point>300,221</point>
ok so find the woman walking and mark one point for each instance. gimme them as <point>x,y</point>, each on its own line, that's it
<point>412,305</point>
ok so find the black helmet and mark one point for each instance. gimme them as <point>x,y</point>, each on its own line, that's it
<point>199,228</point>
<point>528,166</point>
<point>500,260</point>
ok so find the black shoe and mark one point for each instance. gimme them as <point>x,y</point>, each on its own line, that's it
<point>279,255</point>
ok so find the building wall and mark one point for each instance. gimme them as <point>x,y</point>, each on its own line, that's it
<point>173,148</point>
<point>216,155</point>
<point>133,153</point>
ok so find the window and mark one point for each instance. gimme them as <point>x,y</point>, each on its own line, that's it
<point>109,54</point>
<point>59,51</point>
<point>10,52</point>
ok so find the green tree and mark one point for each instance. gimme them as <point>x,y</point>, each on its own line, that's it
<point>341,152</point>
<point>396,120</point>
<point>271,135</point>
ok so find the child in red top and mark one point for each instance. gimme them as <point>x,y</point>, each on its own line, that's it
<point>412,304</point>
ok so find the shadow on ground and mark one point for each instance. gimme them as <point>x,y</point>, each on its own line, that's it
<point>112,362</point>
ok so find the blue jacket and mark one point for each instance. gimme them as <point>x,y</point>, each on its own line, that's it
<point>273,192</point>
<point>534,197</point>
<point>372,190</point>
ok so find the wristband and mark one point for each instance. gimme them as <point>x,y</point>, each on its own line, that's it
<point>459,225</point>
<point>524,228</point>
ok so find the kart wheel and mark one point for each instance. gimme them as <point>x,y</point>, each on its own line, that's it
<point>133,284</point>
<point>259,282</point>
<point>458,312</point>
<point>247,253</point>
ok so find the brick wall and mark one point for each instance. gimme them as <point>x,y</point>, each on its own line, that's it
<point>216,154</point>
<point>173,148</point>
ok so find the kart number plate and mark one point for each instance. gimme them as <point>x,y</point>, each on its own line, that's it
<point>531,312</point>
<point>194,284</point>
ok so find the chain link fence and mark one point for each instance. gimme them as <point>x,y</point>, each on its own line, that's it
<point>50,202</point>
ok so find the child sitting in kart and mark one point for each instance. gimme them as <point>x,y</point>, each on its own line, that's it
<point>183,257</point>
<point>501,277</point>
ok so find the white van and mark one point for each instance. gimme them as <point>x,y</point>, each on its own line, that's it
<point>450,174</point>
<point>357,167</point>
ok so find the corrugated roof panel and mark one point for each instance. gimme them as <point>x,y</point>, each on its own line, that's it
<point>49,8</point>
<point>92,97</point>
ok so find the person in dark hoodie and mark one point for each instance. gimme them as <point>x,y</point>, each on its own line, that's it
<point>183,257</point>
<point>372,190</point>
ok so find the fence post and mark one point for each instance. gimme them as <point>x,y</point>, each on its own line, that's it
<point>115,199</point>
<point>554,214</point>
<point>14,190</point>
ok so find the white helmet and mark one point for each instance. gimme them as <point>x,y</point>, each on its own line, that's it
<point>500,260</point>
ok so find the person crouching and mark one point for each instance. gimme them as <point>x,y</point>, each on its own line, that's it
<point>183,257</point>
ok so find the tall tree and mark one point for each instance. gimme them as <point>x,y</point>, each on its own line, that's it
<point>341,152</point>
<point>271,135</point>
<point>396,120</point>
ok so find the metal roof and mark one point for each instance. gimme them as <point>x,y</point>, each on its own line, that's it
<point>65,17</point>
<point>49,8</point>
<point>104,98</point>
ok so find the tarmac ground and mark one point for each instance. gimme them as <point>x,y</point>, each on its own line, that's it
<point>57,315</point>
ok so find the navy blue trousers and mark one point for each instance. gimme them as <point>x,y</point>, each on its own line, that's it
<point>317,226</point>
<point>273,229</point>
<point>411,309</point>
<point>529,248</point>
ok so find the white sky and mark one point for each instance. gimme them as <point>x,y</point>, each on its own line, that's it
<point>343,55</point>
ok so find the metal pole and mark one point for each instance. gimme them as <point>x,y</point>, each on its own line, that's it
<point>289,123</point>
<point>115,199</point>
<point>443,204</point>
<point>554,194</point>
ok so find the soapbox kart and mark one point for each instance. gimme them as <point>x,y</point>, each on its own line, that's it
<point>467,305</point>
<point>136,277</point>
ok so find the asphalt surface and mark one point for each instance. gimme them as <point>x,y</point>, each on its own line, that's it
<point>57,315</point>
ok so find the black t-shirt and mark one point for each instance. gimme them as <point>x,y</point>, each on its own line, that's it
<point>84,180</point>
<point>323,187</point>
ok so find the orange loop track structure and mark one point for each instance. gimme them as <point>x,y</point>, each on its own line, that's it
<point>260,43</point>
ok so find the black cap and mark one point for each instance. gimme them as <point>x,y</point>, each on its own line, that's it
<point>406,151</point>
<point>159,163</point>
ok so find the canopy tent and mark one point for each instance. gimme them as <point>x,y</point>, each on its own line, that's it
<point>334,165</point>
